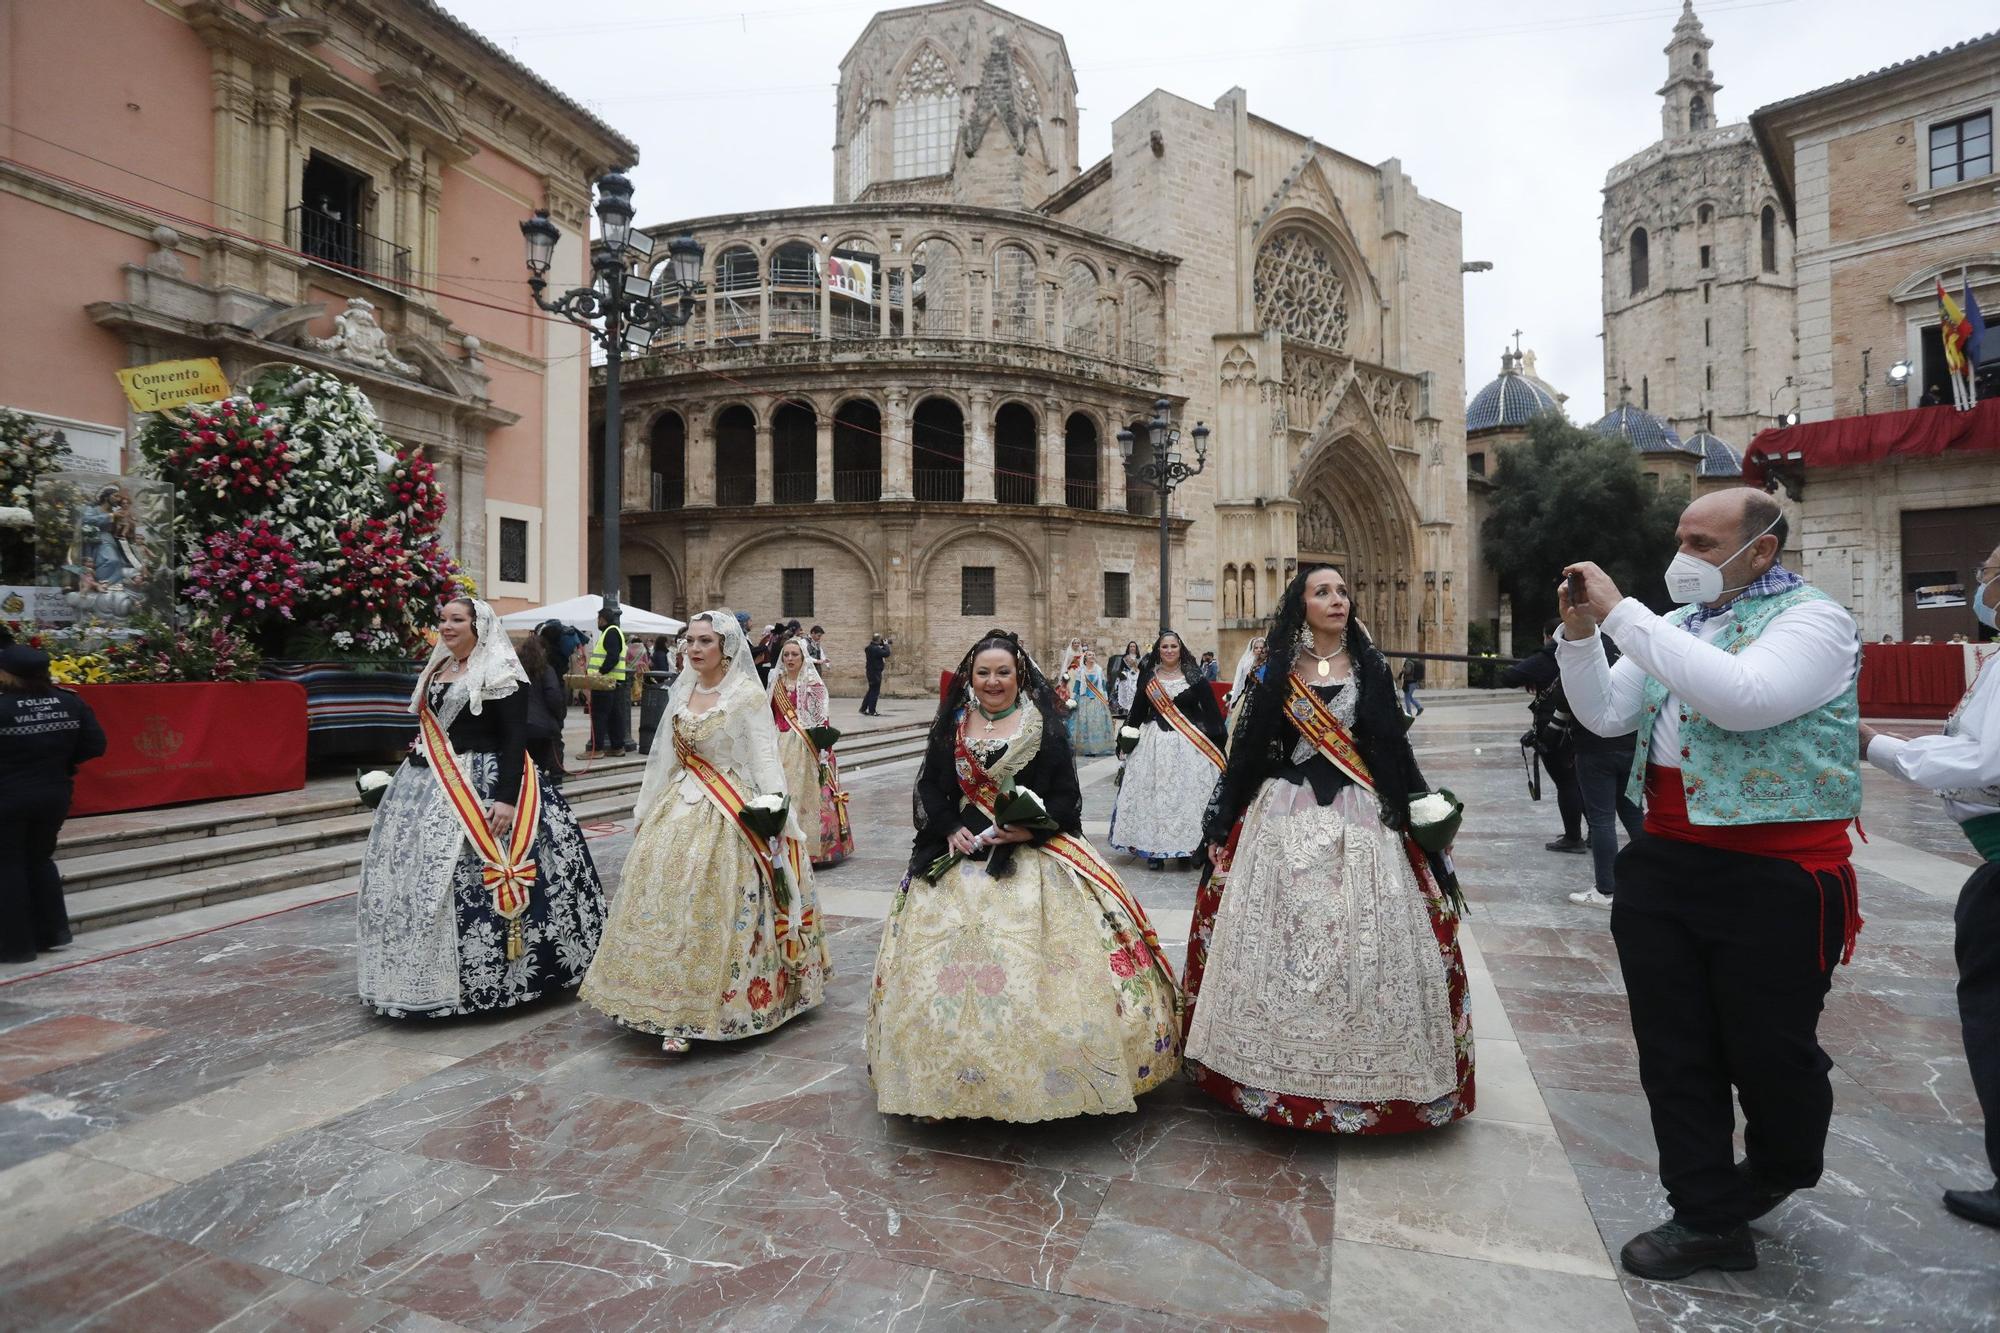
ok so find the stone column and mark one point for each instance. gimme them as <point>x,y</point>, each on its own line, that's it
<point>885,305</point>
<point>271,111</point>
<point>823,460</point>
<point>1111,467</point>
<point>896,444</point>
<point>979,448</point>
<point>637,475</point>
<point>825,300</point>
<point>764,461</point>
<point>700,465</point>
<point>978,305</point>
<point>1050,490</point>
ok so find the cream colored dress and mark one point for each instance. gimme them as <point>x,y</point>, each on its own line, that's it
<point>690,949</point>
<point>1032,997</point>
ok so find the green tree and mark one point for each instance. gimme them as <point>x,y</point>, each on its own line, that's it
<point>1565,494</point>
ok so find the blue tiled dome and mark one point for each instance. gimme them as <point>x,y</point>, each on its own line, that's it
<point>1648,434</point>
<point>1513,399</point>
<point>1718,459</point>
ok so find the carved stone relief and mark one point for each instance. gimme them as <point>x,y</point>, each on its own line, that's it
<point>358,338</point>
<point>1299,290</point>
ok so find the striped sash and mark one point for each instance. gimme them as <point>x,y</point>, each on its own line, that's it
<point>1163,704</point>
<point>506,871</point>
<point>732,803</point>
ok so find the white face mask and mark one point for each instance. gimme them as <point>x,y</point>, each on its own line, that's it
<point>1982,605</point>
<point>1692,579</point>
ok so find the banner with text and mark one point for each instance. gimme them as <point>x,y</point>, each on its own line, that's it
<point>168,384</point>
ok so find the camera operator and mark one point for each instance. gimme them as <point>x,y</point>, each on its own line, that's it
<point>1551,734</point>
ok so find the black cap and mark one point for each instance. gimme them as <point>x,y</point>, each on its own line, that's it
<point>18,659</point>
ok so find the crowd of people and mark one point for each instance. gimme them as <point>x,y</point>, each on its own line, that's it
<point>1018,978</point>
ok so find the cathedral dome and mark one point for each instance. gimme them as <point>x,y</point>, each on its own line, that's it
<point>1718,458</point>
<point>1513,399</point>
<point>1646,432</point>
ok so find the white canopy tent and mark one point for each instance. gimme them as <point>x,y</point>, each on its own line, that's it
<point>581,612</point>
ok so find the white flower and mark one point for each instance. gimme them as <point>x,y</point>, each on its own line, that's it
<point>1028,792</point>
<point>1432,809</point>
<point>12,517</point>
<point>370,781</point>
<point>1129,733</point>
<point>771,803</point>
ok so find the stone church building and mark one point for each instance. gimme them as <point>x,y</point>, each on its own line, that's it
<point>1699,324</point>
<point>897,413</point>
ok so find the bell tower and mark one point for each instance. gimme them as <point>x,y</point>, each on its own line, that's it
<point>1689,92</point>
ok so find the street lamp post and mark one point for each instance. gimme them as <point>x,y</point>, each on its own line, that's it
<point>620,310</point>
<point>1164,473</point>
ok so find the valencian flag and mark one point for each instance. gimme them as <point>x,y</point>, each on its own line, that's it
<point>1954,328</point>
<point>1975,323</point>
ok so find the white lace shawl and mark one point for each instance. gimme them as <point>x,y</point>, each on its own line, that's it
<point>492,670</point>
<point>810,696</point>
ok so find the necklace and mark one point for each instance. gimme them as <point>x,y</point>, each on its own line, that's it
<point>990,718</point>
<point>1325,670</point>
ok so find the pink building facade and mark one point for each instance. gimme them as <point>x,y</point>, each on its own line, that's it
<point>227,178</point>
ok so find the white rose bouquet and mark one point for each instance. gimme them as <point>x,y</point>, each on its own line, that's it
<point>370,785</point>
<point>1435,818</point>
<point>1128,740</point>
<point>1018,807</point>
<point>766,816</point>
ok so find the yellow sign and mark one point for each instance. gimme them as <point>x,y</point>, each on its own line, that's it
<point>166,384</point>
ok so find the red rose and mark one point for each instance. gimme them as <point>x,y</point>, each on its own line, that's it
<point>1123,964</point>
<point>758,993</point>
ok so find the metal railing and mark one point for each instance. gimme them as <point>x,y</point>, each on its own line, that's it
<point>794,488</point>
<point>859,486</point>
<point>947,484</point>
<point>736,490</point>
<point>1011,488</point>
<point>342,244</point>
<point>669,492</point>
<point>1081,494</point>
<point>938,322</point>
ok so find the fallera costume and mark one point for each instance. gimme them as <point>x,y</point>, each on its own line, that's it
<point>1091,730</point>
<point>1326,990</point>
<point>441,923</point>
<point>715,933</point>
<point>812,776</point>
<point>1172,770</point>
<point>1026,984</point>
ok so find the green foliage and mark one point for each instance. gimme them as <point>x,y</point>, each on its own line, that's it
<point>1564,495</point>
<point>1481,638</point>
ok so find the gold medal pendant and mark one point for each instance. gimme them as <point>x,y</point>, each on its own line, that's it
<point>1324,669</point>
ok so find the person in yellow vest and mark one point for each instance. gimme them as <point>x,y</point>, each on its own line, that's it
<point>610,710</point>
<point>1738,899</point>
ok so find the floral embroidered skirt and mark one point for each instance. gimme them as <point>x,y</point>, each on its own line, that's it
<point>1332,993</point>
<point>430,940</point>
<point>1090,729</point>
<point>836,835</point>
<point>801,765</point>
<point>1027,998</point>
<point>1162,797</point>
<point>691,947</point>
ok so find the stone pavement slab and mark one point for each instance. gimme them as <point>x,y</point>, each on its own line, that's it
<point>210,1132</point>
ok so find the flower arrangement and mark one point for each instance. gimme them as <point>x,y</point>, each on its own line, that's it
<point>1018,807</point>
<point>245,573</point>
<point>370,785</point>
<point>233,454</point>
<point>27,451</point>
<point>156,653</point>
<point>766,817</point>
<point>1128,740</point>
<point>1435,818</point>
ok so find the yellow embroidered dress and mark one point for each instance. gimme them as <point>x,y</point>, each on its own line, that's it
<point>1030,996</point>
<point>692,947</point>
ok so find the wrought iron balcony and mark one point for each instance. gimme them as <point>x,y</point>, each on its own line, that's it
<point>340,243</point>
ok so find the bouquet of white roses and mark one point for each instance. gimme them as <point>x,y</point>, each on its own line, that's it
<point>1018,807</point>
<point>1128,740</point>
<point>370,785</point>
<point>1434,819</point>
<point>766,816</point>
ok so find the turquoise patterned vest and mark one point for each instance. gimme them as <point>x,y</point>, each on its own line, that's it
<point>1804,769</point>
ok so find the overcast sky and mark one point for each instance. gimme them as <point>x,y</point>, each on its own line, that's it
<point>1509,112</point>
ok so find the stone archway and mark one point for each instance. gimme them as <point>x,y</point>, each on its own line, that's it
<point>1355,512</point>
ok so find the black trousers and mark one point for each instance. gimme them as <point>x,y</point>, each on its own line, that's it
<point>1600,783</point>
<point>1978,948</point>
<point>1561,766</point>
<point>611,718</point>
<point>873,696</point>
<point>32,916</point>
<point>1727,960</point>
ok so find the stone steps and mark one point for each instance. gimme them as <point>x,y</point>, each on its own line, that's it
<point>128,867</point>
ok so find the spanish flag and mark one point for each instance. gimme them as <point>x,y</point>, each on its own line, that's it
<point>1954,328</point>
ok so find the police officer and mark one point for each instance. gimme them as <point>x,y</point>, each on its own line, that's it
<point>610,710</point>
<point>45,733</point>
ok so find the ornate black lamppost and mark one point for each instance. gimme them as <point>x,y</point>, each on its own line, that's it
<point>1165,473</point>
<point>621,310</point>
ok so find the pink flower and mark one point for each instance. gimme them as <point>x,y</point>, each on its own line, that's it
<point>1123,963</point>
<point>990,979</point>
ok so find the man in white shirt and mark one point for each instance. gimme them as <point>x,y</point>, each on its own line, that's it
<point>1963,767</point>
<point>1733,907</point>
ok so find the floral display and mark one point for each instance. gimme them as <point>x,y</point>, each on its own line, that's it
<point>27,450</point>
<point>155,653</point>
<point>303,523</point>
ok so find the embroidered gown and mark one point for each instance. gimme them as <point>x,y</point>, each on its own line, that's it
<point>1165,790</point>
<point>431,942</point>
<point>691,949</point>
<point>821,805</point>
<point>1091,730</point>
<point>1029,996</point>
<point>1326,990</point>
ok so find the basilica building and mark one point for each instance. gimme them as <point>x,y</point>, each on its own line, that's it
<point>898,413</point>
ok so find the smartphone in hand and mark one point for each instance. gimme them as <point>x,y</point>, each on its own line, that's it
<point>1576,595</point>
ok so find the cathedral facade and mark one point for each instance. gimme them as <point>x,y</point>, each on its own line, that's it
<point>898,413</point>
<point>1699,322</point>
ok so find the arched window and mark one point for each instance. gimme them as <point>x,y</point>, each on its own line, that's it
<point>857,452</point>
<point>1013,294</point>
<point>860,153</point>
<point>1641,262</point>
<point>1014,455</point>
<point>669,461</point>
<point>735,456</point>
<point>937,290</point>
<point>737,284</point>
<point>1767,231</point>
<point>1698,113</point>
<point>937,442</point>
<point>1080,461</point>
<point>926,118</point>
<point>1142,323</point>
<point>795,289</point>
<point>794,454</point>
<point>1080,308</point>
<point>1706,214</point>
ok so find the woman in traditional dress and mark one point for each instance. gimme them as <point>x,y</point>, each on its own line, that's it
<point>1091,730</point>
<point>1171,771</point>
<point>1025,984</point>
<point>1332,992</point>
<point>1246,665</point>
<point>715,934</point>
<point>1125,678</point>
<point>466,832</point>
<point>799,701</point>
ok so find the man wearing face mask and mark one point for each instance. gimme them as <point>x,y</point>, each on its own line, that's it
<point>1733,909</point>
<point>1963,767</point>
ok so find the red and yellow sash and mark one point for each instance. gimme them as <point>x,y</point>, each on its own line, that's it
<point>786,708</point>
<point>1083,684</point>
<point>506,871</point>
<point>1163,704</point>
<point>732,803</point>
<point>983,792</point>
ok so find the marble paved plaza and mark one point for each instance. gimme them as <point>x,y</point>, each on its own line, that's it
<point>210,1132</point>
